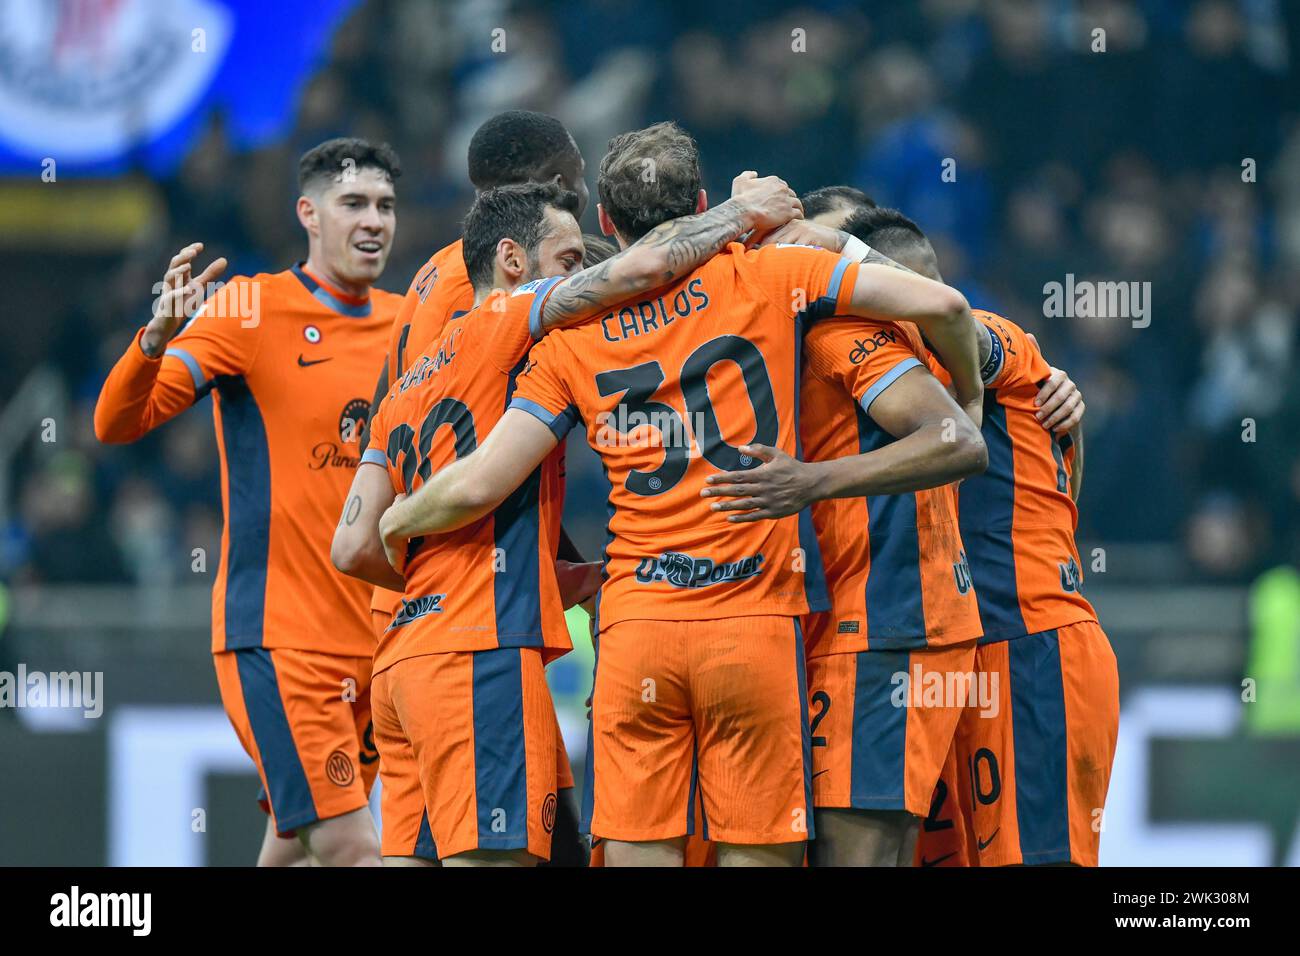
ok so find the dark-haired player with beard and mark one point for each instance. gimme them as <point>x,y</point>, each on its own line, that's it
<point>514,146</point>
<point>283,355</point>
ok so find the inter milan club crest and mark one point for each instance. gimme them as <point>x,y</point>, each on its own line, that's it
<point>353,420</point>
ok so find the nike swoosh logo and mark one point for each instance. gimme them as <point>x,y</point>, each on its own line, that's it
<point>985,843</point>
<point>820,772</point>
<point>303,363</point>
<point>937,860</point>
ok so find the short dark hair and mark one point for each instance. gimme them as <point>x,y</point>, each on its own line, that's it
<point>833,197</point>
<point>516,211</point>
<point>886,230</point>
<point>597,249</point>
<point>649,176</point>
<point>329,160</point>
<point>515,147</point>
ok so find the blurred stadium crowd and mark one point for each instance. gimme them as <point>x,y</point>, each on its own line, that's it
<point>1125,165</point>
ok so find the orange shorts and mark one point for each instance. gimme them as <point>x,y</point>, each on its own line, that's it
<point>469,750</point>
<point>718,705</point>
<point>882,723</point>
<point>1028,784</point>
<point>304,718</point>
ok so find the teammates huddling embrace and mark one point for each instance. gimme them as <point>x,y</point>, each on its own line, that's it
<point>839,600</point>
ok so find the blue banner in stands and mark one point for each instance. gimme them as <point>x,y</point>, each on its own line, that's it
<point>103,86</point>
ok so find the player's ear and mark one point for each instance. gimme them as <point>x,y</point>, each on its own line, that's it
<point>511,262</point>
<point>702,202</point>
<point>307,215</point>
<point>606,224</point>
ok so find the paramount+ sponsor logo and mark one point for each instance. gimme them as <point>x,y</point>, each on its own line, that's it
<point>417,608</point>
<point>352,422</point>
<point>684,571</point>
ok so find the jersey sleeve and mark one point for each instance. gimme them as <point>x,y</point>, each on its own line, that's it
<point>542,388</point>
<point>863,357</point>
<point>805,279</point>
<point>376,452</point>
<point>141,393</point>
<point>1014,359</point>
<point>508,325</point>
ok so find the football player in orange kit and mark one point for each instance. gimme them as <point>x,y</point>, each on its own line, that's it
<point>497,613</point>
<point>689,603</point>
<point>514,146</point>
<point>1030,781</point>
<point>283,354</point>
<point>1068,668</point>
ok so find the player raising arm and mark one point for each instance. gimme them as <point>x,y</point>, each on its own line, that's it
<point>287,358</point>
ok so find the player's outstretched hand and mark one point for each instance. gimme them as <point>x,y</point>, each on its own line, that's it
<point>181,296</point>
<point>1060,403</point>
<point>578,582</point>
<point>773,201</point>
<point>776,488</point>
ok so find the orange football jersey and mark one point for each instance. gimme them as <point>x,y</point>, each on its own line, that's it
<point>895,567</point>
<point>668,386</point>
<point>440,291</point>
<point>492,583</point>
<point>1018,519</point>
<point>287,360</point>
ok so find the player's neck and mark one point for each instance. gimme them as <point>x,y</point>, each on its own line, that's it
<point>335,284</point>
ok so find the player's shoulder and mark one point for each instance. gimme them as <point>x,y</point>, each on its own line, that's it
<point>854,341</point>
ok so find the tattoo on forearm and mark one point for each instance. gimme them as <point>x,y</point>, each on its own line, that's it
<point>352,510</point>
<point>877,258</point>
<point>684,243</point>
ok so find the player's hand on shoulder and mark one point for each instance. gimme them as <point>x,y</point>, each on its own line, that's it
<point>780,486</point>
<point>182,294</point>
<point>1060,403</point>
<point>770,199</point>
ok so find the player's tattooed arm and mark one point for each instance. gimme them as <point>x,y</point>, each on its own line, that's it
<point>672,249</point>
<point>357,550</point>
<point>469,487</point>
<point>936,445</point>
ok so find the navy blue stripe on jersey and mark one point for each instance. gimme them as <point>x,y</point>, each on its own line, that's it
<point>327,299</point>
<point>287,789</point>
<point>500,757</point>
<point>248,478</point>
<point>801,688</point>
<point>692,788</point>
<point>1039,737</point>
<point>815,589</point>
<point>877,768</point>
<point>589,765</point>
<point>425,847</point>
<point>894,602</point>
<point>986,508</point>
<point>516,530</point>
